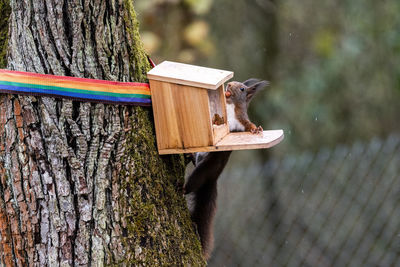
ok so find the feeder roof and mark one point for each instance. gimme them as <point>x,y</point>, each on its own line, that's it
<point>190,75</point>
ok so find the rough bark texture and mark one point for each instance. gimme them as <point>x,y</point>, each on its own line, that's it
<point>82,183</point>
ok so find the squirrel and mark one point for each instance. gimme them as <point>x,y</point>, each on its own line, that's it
<point>202,182</point>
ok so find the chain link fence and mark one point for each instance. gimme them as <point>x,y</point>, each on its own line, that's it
<point>338,207</point>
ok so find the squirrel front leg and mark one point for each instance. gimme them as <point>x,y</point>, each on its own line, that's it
<point>243,118</point>
<point>251,127</point>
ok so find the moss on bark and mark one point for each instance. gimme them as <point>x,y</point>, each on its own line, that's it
<point>5,14</point>
<point>158,216</point>
<point>138,58</point>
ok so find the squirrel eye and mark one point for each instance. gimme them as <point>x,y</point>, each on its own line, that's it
<point>242,89</point>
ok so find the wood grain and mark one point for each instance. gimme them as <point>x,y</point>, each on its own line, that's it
<point>190,75</point>
<point>236,141</point>
<point>193,112</point>
<point>219,132</point>
<point>181,115</point>
<point>165,117</point>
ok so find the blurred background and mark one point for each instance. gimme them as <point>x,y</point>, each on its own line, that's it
<point>329,194</point>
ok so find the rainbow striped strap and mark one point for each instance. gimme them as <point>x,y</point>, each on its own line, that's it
<point>83,89</point>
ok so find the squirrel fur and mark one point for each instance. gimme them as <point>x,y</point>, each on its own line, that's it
<point>202,182</point>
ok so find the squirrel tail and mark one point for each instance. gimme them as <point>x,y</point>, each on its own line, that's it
<point>203,184</point>
<point>203,214</point>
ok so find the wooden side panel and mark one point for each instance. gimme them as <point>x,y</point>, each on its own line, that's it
<point>192,109</point>
<point>165,117</point>
<point>181,115</point>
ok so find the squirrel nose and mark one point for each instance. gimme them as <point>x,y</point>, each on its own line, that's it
<point>228,94</point>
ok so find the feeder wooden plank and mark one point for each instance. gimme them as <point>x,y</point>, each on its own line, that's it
<point>193,114</point>
<point>191,75</point>
<point>236,141</point>
<point>164,110</point>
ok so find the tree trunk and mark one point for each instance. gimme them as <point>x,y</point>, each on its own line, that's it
<point>82,183</point>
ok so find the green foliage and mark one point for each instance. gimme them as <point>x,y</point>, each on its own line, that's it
<point>334,76</point>
<point>324,43</point>
<point>337,77</point>
<point>176,29</point>
<point>199,7</point>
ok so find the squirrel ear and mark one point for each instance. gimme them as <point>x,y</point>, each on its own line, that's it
<point>250,82</point>
<point>254,88</point>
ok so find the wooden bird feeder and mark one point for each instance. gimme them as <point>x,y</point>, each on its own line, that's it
<point>190,111</point>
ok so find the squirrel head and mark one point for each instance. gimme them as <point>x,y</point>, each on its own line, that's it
<point>237,92</point>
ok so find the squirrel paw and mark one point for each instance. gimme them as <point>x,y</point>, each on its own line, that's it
<point>257,130</point>
<point>218,120</point>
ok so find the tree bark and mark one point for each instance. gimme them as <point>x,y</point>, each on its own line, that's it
<point>82,183</point>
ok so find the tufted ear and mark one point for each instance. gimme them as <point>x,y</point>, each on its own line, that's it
<point>256,85</point>
<point>251,81</point>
